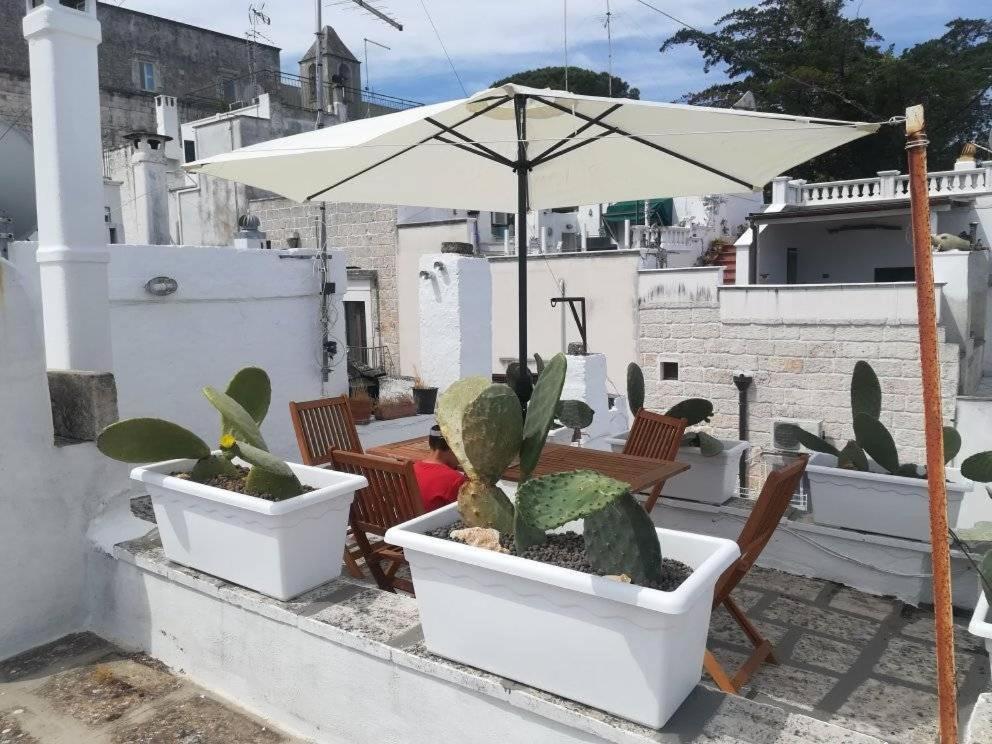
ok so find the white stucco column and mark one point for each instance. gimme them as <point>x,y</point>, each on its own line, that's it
<point>585,379</point>
<point>72,241</point>
<point>456,334</point>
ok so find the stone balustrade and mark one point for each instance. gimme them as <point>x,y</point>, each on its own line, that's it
<point>886,185</point>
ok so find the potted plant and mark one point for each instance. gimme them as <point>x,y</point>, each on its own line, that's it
<point>395,406</point>
<point>573,416</point>
<point>528,606</point>
<point>714,463</point>
<point>972,539</point>
<point>360,403</point>
<point>424,395</point>
<point>239,512</point>
<point>864,486</point>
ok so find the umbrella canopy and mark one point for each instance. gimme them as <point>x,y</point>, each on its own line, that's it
<point>512,148</point>
<point>579,150</point>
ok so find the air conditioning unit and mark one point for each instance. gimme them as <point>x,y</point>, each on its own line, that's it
<point>783,438</point>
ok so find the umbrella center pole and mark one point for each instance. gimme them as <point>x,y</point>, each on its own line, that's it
<point>522,167</point>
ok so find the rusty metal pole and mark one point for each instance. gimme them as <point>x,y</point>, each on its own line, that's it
<point>919,199</point>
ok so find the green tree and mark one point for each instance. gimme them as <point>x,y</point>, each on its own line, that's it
<point>805,57</point>
<point>581,81</point>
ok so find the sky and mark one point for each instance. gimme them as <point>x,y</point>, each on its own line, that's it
<point>488,40</point>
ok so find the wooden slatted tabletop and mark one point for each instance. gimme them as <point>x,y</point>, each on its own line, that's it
<point>640,472</point>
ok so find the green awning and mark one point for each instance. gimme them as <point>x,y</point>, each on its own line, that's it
<point>660,211</point>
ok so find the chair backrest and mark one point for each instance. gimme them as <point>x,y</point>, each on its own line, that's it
<point>655,435</point>
<point>323,426</point>
<point>765,515</point>
<point>391,497</point>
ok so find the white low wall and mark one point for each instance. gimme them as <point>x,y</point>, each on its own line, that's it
<point>855,304</point>
<point>691,284</point>
<point>232,309</point>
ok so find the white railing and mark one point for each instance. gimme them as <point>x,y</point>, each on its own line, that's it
<point>886,185</point>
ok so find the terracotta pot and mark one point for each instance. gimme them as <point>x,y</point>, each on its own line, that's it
<point>395,410</point>
<point>361,409</point>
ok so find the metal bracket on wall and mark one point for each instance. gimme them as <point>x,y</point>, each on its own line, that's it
<point>580,323</point>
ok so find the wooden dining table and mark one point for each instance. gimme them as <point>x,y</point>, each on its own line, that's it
<point>640,473</point>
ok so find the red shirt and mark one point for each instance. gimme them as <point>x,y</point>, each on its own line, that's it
<point>438,484</point>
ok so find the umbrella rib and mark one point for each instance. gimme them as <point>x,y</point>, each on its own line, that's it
<point>405,150</point>
<point>583,143</point>
<point>476,147</point>
<point>541,156</point>
<point>648,143</point>
<point>466,148</point>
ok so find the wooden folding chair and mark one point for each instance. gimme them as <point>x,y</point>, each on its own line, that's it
<point>758,530</point>
<point>657,436</point>
<point>392,497</point>
<point>321,427</point>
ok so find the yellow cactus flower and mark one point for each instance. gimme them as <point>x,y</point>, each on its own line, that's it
<point>227,441</point>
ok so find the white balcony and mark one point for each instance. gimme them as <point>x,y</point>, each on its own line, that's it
<point>965,182</point>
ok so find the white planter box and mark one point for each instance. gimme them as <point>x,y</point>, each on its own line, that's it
<point>980,625</point>
<point>278,548</point>
<point>711,480</point>
<point>874,502</point>
<point>628,650</point>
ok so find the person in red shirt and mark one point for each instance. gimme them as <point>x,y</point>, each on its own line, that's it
<point>438,476</point>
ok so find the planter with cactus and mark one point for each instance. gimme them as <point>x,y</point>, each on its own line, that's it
<point>864,486</point>
<point>238,512</point>
<point>513,611</point>
<point>714,464</point>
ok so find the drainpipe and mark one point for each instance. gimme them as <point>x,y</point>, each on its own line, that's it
<point>743,382</point>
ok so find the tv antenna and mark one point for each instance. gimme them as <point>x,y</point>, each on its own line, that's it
<point>256,18</point>
<point>368,81</point>
<point>369,7</point>
<point>608,23</point>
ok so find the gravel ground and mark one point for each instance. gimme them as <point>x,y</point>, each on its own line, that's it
<point>568,550</point>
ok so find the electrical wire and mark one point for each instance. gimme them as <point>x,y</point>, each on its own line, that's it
<point>751,60</point>
<point>444,49</point>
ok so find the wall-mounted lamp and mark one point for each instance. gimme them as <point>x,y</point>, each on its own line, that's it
<point>160,286</point>
<point>438,266</point>
<point>426,274</point>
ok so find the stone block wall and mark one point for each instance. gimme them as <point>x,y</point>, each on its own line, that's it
<point>365,232</point>
<point>801,370</point>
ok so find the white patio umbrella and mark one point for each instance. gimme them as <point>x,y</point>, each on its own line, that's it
<point>512,148</point>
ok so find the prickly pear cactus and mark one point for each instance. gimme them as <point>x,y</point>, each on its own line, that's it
<point>620,538</point>
<point>978,467</point>
<point>852,457</point>
<point>876,441</point>
<point>252,389</point>
<point>492,428</point>
<point>235,420</point>
<point>451,407</point>
<point>866,393</point>
<point>540,413</point>
<point>575,414</point>
<point>553,500</point>
<point>150,440</point>
<point>952,443</point>
<point>635,387</point>
<point>693,410</point>
<point>485,505</point>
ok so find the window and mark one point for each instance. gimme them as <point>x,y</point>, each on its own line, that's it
<point>791,265</point>
<point>669,370</point>
<point>229,89</point>
<point>189,151</point>
<point>895,274</point>
<point>146,76</point>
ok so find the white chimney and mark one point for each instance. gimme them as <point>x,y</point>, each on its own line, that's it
<point>151,188</point>
<point>167,123</point>
<point>72,241</point>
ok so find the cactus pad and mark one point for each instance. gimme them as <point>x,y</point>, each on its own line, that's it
<point>520,382</point>
<point>492,428</point>
<point>252,389</point>
<point>540,413</point>
<point>709,446</point>
<point>875,440</point>
<point>485,505</point>
<point>810,441</point>
<point>235,420</point>
<point>451,407</point>
<point>538,363</point>
<point>620,538</point>
<point>693,410</point>
<point>635,387</point>
<point>978,467</point>
<point>211,467</point>
<point>553,500</point>
<point>852,457</point>
<point>866,393</point>
<point>150,440</point>
<point>575,414</point>
<point>952,443</point>
<point>275,487</point>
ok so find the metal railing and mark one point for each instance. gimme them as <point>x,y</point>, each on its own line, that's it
<point>373,360</point>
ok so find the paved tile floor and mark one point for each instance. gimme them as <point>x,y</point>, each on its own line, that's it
<point>862,662</point>
<point>83,690</point>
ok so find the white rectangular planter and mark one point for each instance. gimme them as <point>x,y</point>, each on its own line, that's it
<point>874,502</point>
<point>980,625</point>
<point>628,650</point>
<point>278,548</point>
<point>711,480</point>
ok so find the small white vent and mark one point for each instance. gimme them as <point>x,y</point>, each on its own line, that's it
<point>783,436</point>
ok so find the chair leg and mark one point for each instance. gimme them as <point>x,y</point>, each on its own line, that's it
<point>372,562</point>
<point>752,633</point>
<point>763,652</point>
<point>351,565</point>
<point>719,675</point>
<point>652,498</point>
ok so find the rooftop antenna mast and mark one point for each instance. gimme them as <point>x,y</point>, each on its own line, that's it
<point>609,47</point>
<point>368,80</point>
<point>256,18</point>
<point>366,5</point>
<point>318,78</point>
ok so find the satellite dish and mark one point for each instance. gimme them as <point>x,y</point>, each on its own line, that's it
<point>17,192</point>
